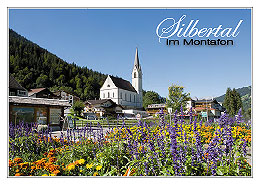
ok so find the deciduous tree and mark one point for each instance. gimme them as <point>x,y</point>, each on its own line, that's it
<point>177,98</point>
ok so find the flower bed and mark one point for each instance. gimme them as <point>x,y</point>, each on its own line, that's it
<point>164,149</point>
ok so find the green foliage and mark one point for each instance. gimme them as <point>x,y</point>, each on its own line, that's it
<point>42,81</point>
<point>78,107</point>
<point>151,97</point>
<point>177,98</point>
<point>247,114</point>
<point>245,93</point>
<point>33,66</point>
<point>232,102</point>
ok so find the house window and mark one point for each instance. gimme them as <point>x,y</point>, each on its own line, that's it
<point>25,114</point>
<point>55,116</point>
<point>12,93</point>
<point>41,116</point>
<point>134,74</point>
<point>130,96</point>
<point>108,85</point>
<point>103,95</point>
<point>113,94</point>
<point>108,95</point>
<point>121,95</point>
<point>134,98</point>
<point>21,93</point>
<point>125,96</point>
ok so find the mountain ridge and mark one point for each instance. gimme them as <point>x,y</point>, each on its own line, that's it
<point>34,67</point>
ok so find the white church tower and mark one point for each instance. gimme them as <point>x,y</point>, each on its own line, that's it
<point>137,80</point>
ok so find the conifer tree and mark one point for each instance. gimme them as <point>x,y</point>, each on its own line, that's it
<point>232,102</point>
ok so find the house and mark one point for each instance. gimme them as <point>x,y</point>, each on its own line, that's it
<point>41,93</point>
<point>209,107</point>
<point>66,95</point>
<point>15,89</point>
<point>37,110</point>
<point>122,92</point>
<point>102,108</point>
<point>155,108</point>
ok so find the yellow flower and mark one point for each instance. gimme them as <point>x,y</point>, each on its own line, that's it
<point>98,167</point>
<point>44,175</point>
<point>71,166</point>
<point>81,161</point>
<point>88,166</point>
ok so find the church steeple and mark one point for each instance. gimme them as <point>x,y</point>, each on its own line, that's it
<point>136,63</point>
<point>137,80</point>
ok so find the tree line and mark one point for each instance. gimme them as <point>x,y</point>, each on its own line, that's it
<point>34,67</point>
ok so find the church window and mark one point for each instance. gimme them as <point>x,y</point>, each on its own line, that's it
<point>134,74</point>
<point>108,95</point>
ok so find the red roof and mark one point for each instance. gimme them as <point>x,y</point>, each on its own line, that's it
<point>33,91</point>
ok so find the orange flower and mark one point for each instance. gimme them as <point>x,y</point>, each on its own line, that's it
<point>52,159</point>
<point>38,167</point>
<point>50,154</point>
<point>126,173</point>
<point>18,160</point>
<point>56,167</point>
<point>50,167</point>
<point>76,162</point>
<point>17,174</point>
<point>11,163</point>
<point>132,172</point>
<point>24,165</point>
<point>56,172</point>
<point>71,166</point>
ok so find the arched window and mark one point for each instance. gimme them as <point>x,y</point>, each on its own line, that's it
<point>108,85</point>
<point>134,74</point>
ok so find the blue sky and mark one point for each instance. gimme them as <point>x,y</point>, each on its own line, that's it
<point>105,40</point>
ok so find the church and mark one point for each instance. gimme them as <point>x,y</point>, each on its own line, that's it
<point>122,92</point>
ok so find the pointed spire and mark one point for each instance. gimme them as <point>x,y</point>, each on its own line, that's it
<point>136,64</point>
